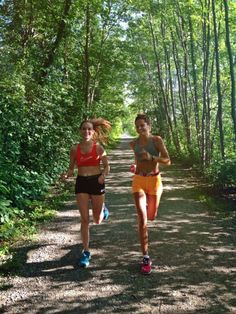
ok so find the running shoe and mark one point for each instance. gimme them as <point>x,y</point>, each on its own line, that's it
<point>146,266</point>
<point>84,260</point>
<point>105,212</point>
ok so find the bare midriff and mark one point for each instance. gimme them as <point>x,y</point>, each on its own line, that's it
<point>89,171</point>
<point>147,166</point>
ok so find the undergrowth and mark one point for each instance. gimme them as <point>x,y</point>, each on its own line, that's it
<point>23,225</point>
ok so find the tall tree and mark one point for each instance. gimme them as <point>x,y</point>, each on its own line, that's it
<point>231,66</point>
<point>218,82</point>
<point>50,56</point>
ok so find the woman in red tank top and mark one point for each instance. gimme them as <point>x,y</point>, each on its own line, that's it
<point>92,163</point>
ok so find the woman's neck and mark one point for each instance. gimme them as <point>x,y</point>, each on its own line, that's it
<point>86,142</point>
<point>145,137</point>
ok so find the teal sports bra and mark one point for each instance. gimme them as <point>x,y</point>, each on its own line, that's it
<point>150,148</point>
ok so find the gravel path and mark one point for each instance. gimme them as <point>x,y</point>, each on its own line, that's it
<point>193,252</point>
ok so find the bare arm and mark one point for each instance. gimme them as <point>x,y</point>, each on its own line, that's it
<point>132,147</point>
<point>131,144</point>
<point>106,167</point>
<point>70,171</point>
<point>133,166</point>
<point>164,157</point>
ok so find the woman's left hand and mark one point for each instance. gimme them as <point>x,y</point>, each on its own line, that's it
<point>145,156</point>
<point>101,179</point>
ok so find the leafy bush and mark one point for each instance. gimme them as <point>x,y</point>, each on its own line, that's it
<point>222,173</point>
<point>22,184</point>
<point>7,212</point>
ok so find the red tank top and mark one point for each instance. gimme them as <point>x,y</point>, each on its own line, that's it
<point>89,159</point>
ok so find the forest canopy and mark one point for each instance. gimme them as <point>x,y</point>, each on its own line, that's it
<point>63,61</point>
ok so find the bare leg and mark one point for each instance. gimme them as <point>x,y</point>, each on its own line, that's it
<point>97,207</point>
<point>140,203</point>
<point>83,204</point>
<point>153,202</point>
<point>147,208</point>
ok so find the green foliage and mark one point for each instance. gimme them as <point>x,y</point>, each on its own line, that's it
<point>117,130</point>
<point>128,121</point>
<point>55,70</point>
<point>215,203</point>
<point>41,214</point>
<point>42,101</point>
<point>222,173</point>
<point>168,69</point>
<point>7,212</point>
<point>23,184</point>
<point>24,224</point>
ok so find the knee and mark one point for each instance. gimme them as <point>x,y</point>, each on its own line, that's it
<point>84,221</point>
<point>142,223</point>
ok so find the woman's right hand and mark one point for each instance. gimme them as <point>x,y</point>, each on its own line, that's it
<point>65,175</point>
<point>132,168</point>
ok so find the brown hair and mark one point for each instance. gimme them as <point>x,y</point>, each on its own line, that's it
<point>142,116</point>
<point>101,128</point>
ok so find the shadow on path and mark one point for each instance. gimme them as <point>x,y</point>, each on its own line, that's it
<point>193,252</point>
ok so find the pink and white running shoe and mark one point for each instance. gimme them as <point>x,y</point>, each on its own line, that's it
<point>146,266</point>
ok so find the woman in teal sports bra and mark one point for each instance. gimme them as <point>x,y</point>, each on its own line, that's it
<point>149,151</point>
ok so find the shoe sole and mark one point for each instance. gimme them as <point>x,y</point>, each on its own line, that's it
<point>143,273</point>
<point>83,266</point>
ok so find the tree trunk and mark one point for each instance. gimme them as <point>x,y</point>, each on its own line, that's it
<point>171,109</point>
<point>218,83</point>
<point>87,61</point>
<point>49,59</point>
<point>231,66</point>
<point>206,121</point>
<point>160,80</point>
<point>195,87</point>
<point>185,117</point>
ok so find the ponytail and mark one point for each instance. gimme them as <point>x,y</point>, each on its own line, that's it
<point>101,128</point>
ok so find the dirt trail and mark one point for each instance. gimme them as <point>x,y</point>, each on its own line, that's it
<point>193,252</point>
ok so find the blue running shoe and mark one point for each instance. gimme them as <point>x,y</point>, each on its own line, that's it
<point>105,212</point>
<point>84,260</point>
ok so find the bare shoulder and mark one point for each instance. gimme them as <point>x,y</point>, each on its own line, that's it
<point>74,148</point>
<point>100,149</point>
<point>157,139</point>
<point>159,143</point>
<point>73,152</point>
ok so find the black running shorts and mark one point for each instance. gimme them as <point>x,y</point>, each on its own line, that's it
<point>89,185</point>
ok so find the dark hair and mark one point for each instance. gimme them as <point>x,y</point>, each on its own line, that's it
<point>142,116</point>
<point>101,128</point>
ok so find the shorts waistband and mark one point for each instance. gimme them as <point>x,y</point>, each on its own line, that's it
<point>148,174</point>
<point>90,177</point>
